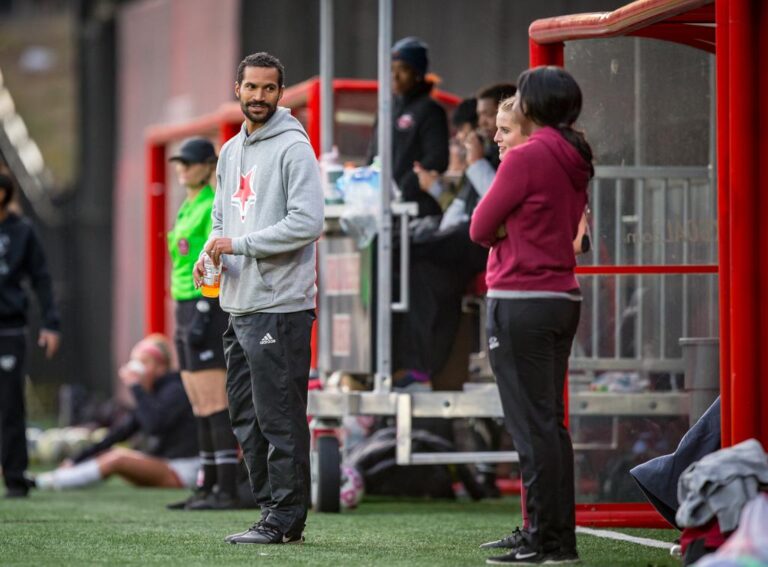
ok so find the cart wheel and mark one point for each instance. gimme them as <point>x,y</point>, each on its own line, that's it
<point>328,474</point>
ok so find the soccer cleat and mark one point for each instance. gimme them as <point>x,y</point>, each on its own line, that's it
<point>512,541</point>
<point>263,532</point>
<point>198,495</point>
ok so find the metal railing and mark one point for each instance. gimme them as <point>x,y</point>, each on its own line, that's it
<point>655,239</point>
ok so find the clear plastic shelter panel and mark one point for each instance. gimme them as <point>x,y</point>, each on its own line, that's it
<point>648,112</point>
<point>645,359</point>
<point>638,320</point>
<point>644,365</point>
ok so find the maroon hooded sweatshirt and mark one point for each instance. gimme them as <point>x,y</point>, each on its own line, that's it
<point>538,195</point>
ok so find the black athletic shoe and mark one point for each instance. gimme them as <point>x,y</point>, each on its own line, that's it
<point>20,487</point>
<point>524,555</point>
<point>265,533</point>
<point>215,501</point>
<point>512,541</point>
<point>198,495</point>
<point>264,516</point>
<point>230,537</point>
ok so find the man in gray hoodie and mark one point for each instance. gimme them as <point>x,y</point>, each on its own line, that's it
<point>267,215</point>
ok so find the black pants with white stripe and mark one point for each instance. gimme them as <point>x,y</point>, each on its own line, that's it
<point>268,358</point>
<point>13,445</point>
<point>529,344</point>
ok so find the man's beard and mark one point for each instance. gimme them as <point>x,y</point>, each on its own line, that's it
<point>254,118</point>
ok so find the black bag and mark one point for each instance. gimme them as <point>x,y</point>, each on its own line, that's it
<point>376,461</point>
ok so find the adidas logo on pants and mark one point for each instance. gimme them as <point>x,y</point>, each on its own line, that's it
<point>267,340</point>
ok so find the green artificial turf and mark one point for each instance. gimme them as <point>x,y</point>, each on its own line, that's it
<point>115,524</point>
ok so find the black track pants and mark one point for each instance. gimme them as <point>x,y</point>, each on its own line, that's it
<point>268,357</point>
<point>530,341</point>
<point>13,444</point>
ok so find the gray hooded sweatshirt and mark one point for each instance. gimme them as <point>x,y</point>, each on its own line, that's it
<point>269,200</point>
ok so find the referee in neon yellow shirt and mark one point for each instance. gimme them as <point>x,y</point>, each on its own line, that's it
<point>200,324</point>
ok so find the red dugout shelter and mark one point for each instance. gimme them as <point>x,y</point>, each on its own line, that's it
<point>730,29</point>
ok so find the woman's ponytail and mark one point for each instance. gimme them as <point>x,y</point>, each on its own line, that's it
<point>577,139</point>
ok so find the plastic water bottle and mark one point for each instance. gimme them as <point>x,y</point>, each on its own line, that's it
<point>331,170</point>
<point>211,277</point>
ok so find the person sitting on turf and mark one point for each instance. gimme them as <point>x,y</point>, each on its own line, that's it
<point>162,414</point>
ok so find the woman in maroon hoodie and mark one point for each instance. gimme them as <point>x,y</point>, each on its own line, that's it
<point>529,218</point>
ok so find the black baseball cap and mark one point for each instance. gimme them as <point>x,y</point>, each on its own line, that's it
<point>196,150</point>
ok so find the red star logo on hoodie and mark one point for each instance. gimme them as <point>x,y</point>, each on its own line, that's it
<point>244,197</point>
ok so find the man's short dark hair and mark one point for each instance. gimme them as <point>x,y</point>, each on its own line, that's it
<point>8,186</point>
<point>465,113</point>
<point>497,92</point>
<point>261,59</point>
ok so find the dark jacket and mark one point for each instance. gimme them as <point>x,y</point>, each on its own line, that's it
<point>419,133</point>
<point>163,416</point>
<point>658,478</point>
<point>22,256</point>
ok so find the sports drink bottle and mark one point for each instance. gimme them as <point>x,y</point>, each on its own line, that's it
<point>211,277</point>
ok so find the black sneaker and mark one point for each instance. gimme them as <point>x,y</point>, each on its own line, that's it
<point>198,495</point>
<point>512,541</point>
<point>230,537</point>
<point>524,555</point>
<point>263,532</point>
<point>215,501</point>
<point>264,515</point>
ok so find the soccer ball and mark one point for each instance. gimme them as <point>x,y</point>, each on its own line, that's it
<point>51,447</point>
<point>352,487</point>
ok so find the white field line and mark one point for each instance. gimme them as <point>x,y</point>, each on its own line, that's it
<point>624,537</point>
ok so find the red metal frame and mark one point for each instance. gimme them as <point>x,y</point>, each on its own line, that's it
<point>743,175</point>
<point>313,116</point>
<point>648,269</point>
<point>761,125</point>
<point>724,219</point>
<point>155,238</point>
<point>641,17</point>
<point>621,515</point>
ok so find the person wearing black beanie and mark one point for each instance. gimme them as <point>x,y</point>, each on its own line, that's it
<point>419,124</point>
